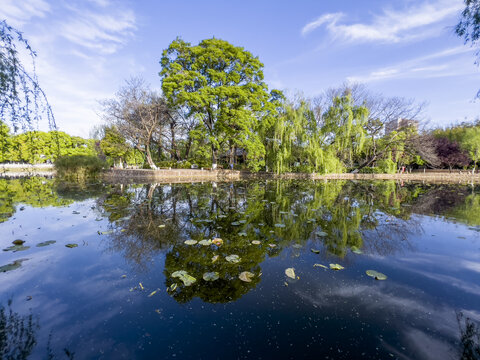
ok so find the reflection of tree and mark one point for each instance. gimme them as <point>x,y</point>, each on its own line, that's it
<point>34,191</point>
<point>469,337</point>
<point>17,334</point>
<point>337,215</point>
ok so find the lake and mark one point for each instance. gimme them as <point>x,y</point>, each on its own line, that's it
<point>243,270</point>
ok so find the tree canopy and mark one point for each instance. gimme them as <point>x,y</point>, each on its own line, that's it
<point>222,86</point>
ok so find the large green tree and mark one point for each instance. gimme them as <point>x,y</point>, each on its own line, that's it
<point>222,86</point>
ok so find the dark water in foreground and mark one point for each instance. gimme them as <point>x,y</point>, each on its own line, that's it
<point>115,295</point>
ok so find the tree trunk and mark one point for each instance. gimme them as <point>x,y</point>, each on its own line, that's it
<point>173,143</point>
<point>149,158</point>
<point>214,157</point>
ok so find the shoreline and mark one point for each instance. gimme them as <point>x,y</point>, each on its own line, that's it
<point>198,175</point>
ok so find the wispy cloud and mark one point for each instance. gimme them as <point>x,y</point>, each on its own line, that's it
<point>19,12</point>
<point>391,25</point>
<point>100,31</point>
<point>439,64</point>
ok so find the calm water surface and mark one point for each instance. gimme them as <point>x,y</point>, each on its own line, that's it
<point>130,287</point>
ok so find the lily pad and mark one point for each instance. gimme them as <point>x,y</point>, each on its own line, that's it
<point>376,275</point>
<point>108,232</point>
<point>217,241</point>
<point>336,267</point>
<point>356,250</point>
<point>272,245</point>
<point>246,276</point>
<point>71,246</point>
<point>290,272</point>
<point>12,266</point>
<point>46,243</point>
<point>15,248</point>
<point>190,242</point>
<point>233,258</point>
<point>184,277</point>
<point>211,276</point>
<point>320,265</point>
<point>279,225</point>
<point>315,251</point>
<point>205,242</point>
<point>256,242</point>
<point>18,242</point>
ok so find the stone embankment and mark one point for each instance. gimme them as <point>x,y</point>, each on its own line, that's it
<point>197,175</point>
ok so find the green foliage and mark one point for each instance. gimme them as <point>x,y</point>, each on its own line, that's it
<point>78,167</point>
<point>114,144</point>
<point>222,86</point>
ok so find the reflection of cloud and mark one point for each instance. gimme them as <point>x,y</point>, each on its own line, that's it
<point>392,25</point>
<point>435,330</point>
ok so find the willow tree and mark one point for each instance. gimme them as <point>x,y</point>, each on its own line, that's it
<point>222,86</point>
<point>344,128</point>
<point>22,100</point>
<point>297,143</point>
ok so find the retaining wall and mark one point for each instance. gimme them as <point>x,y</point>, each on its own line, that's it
<point>196,175</point>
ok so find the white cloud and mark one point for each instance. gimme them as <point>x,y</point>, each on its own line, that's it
<point>391,25</point>
<point>101,32</point>
<point>17,13</point>
<point>421,67</point>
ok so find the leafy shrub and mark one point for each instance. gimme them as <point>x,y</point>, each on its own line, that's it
<point>78,166</point>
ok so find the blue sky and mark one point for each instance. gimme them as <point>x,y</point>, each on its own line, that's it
<point>86,49</point>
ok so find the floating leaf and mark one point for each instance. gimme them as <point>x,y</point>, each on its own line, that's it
<point>46,243</point>
<point>210,276</point>
<point>71,246</point>
<point>161,226</point>
<point>173,287</point>
<point>217,241</point>
<point>272,245</point>
<point>320,265</point>
<point>376,275</point>
<point>141,286</point>
<point>336,267</point>
<point>279,225</point>
<point>205,242</point>
<point>190,242</point>
<point>242,234</point>
<point>16,248</point>
<point>233,258</point>
<point>246,276</point>
<point>18,242</point>
<point>290,272</point>
<point>356,250</point>
<point>214,258</point>
<point>12,266</point>
<point>153,293</point>
<point>315,251</point>
<point>184,277</point>
<point>256,242</point>
<point>105,232</point>
<point>321,233</point>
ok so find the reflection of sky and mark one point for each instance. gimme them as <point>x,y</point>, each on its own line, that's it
<point>81,299</point>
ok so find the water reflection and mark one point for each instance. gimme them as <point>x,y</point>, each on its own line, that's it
<point>335,217</point>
